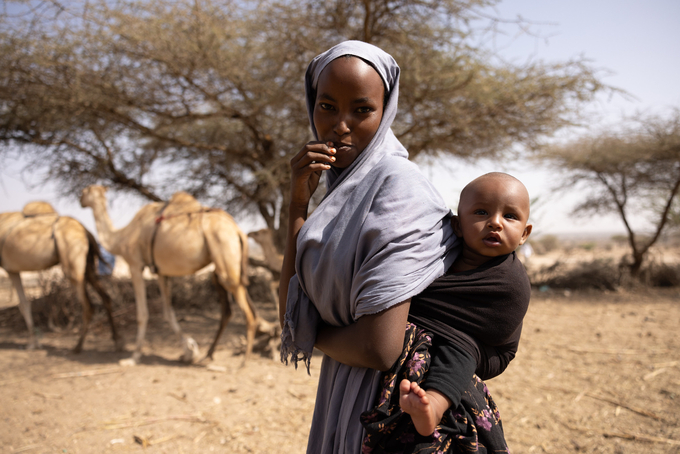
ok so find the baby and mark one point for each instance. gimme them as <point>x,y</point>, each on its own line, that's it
<point>481,323</point>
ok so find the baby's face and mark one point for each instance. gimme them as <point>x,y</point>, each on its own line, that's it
<point>493,215</point>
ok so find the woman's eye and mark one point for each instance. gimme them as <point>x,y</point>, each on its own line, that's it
<point>364,110</point>
<point>325,106</point>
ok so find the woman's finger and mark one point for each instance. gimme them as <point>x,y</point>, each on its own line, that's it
<point>313,152</point>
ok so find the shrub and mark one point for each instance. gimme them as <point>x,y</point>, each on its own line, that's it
<point>545,244</point>
<point>589,246</point>
<point>59,309</point>
<point>621,240</point>
<point>661,275</point>
<point>604,274</point>
<point>599,274</point>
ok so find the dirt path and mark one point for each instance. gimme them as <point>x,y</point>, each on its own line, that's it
<point>594,374</point>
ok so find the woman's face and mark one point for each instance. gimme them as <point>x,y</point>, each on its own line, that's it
<point>349,107</point>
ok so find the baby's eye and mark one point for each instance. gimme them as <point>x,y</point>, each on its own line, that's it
<point>480,212</point>
<point>511,216</point>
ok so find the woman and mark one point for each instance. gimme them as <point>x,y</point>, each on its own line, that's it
<point>380,235</point>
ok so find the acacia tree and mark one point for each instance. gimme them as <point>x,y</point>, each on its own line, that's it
<point>208,96</point>
<point>634,173</point>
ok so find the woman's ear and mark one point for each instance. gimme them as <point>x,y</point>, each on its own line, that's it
<point>455,223</point>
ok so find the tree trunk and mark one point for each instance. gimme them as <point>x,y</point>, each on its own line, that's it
<point>635,267</point>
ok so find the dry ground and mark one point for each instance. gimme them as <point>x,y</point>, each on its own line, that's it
<point>596,373</point>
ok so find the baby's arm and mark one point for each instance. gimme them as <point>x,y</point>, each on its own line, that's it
<point>494,360</point>
<point>451,370</point>
<point>449,375</point>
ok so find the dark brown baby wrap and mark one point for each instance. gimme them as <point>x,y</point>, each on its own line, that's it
<point>480,311</point>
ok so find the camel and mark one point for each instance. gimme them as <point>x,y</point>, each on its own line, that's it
<point>273,260</point>
<point>36,239</point>
<point>178,238</point>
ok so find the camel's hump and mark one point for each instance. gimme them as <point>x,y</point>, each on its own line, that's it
<point>36,208</point>
<point>182,202</point>
<point>182,197</point>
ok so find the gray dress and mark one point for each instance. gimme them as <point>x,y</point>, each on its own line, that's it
<point>381,234</point>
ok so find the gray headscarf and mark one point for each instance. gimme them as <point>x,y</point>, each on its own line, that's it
<point>381,235</point>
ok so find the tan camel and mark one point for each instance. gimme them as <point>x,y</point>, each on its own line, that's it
<point>273,260</point>
<point>37,239</point>
<point>178,238</point>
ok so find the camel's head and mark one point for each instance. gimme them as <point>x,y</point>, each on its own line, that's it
<point>261,235</point>
<point>91,195</point>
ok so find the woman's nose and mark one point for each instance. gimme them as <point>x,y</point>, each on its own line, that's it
<point>341,127</point>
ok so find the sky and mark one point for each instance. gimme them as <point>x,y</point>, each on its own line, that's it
<point>637,46</point>
<point>635,43</point>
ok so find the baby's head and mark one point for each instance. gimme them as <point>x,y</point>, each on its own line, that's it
<point>492,216</point>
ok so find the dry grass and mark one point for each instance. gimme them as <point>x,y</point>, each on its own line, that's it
<point>596,372</point>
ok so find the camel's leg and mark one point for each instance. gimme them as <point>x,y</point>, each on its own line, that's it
<point>25,309</point>
<point>274,289</point>
<point>106,300</point>
<point>142,315</point>
<point>231,283</point>
<point>189,345</point>
<point>92,278</point>
<point>84,299</point>
<point>224,319</point>
<point>241,296</point>
<point>229,252</point>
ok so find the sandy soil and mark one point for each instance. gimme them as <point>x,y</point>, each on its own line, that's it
<point>596,373</point>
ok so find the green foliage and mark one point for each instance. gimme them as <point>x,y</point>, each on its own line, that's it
<point>588,246</point>
<point>208,96</point>
<point>620,239</point>
<point>633,172</point>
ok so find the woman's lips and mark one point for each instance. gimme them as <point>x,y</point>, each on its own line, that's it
<point>342,147</point>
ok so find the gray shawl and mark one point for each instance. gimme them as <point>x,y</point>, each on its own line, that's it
<point>380,236</point>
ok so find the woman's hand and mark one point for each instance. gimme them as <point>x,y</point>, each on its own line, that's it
<point>306,168</point>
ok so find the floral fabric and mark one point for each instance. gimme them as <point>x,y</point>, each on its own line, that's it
<point>472,427</point>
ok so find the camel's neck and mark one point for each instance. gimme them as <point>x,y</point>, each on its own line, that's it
<point>274,259</point>
<point>108,236</point>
